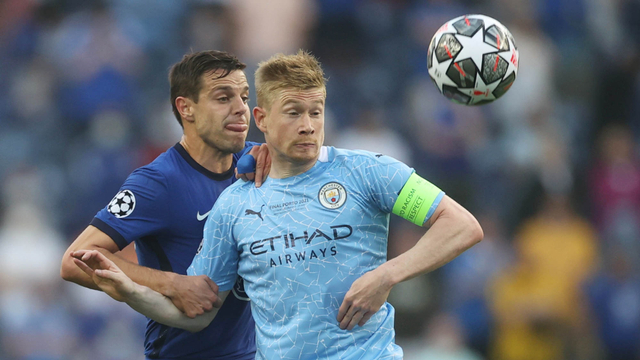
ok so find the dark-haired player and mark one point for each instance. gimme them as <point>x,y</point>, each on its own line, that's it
<point>162,207</point>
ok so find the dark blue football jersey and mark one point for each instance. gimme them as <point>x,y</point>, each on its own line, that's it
<point>163,207</point>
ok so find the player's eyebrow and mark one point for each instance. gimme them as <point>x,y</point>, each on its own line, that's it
<point>298,101</point>
<point>227,88</point>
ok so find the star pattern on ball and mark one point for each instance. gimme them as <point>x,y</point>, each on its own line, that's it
<point>488,22</point>
<point>476,94</point>
<point>474,48</point>
<point>438,73</point>
<point>511,56</point>
<point>473,59</point>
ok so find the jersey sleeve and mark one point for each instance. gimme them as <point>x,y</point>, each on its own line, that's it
<point>137,210</point>
<point>218,255</point>
<point>386,180</point>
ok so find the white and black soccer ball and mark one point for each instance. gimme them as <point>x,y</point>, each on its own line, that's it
<point>473,59</point>
<point>122,204</point>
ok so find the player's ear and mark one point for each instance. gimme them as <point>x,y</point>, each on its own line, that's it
<point>185,108</point>
<point>260,114</point>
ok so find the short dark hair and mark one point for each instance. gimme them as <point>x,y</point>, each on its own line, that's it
<point>185,77</point>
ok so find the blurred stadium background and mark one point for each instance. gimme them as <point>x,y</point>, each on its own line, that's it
<point>551,169</point>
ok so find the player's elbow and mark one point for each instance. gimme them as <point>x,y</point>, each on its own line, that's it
<point>68,269</point>
<point>473,231</point>
<point>199,322</point>
<point>468,230</point>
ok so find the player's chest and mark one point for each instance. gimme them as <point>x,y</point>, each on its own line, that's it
<point>308,218</point>
<point>300,206</point>
<point>189,209</point>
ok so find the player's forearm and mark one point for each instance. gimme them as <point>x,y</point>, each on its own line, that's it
<point>452,233</point>
<point>70,272</point>
<point>91,238</point>
<point>160,281</point>
<point>160,308</point>
<point>154,279</point>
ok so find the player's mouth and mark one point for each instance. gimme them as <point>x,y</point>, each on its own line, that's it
<point>305,145</point>
<point>237,127</point>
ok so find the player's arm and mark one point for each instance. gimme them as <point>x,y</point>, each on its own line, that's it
<point>90,239</point>
<point>193,295</point>
<point>112,280</point>
<point>451,230</point>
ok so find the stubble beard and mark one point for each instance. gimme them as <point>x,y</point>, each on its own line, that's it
<point>226,147</point>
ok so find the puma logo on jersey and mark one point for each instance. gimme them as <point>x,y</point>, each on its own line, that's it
<point>251,212</point>
<point>203,216</point>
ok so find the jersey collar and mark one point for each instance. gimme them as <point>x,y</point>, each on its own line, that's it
<point>210,174</point>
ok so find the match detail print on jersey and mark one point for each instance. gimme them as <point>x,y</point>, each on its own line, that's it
<point>416,199</point>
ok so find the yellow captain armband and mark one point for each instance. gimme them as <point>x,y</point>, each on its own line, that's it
<point>417,200</point>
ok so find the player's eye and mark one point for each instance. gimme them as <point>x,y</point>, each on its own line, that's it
<point>223,99</point>
<point>293,113</point>
<point>245,99</point>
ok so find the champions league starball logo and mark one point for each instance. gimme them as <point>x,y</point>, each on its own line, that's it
<point>122,204</point>
<point>332,195</point>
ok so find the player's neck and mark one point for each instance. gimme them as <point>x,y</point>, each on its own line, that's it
<point>210,158</point>
<point>283,168</point>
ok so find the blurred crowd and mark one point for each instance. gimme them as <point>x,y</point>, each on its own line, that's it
<point>551,170</point>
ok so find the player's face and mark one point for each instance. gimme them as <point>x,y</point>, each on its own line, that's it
<point>294,126</point>
<point>222,113</point>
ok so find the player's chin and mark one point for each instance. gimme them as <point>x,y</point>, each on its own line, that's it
<point>304,153</point>
<point>228,144</point>
<point>236,140</point>
<point>236,146</point>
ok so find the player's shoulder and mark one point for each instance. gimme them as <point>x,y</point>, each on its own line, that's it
<point>351,157</point>
<point>237,191</point>
<point>240,187</point>
<point>160,169</point>
<point>232,199</point>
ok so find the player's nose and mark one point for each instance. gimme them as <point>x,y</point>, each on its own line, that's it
<point>305,127</point>
<point>239,106</point>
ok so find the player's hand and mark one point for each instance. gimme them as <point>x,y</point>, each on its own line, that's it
<point>193,295</point>
<point>105,273</point>
<point>363,300</point>
<point>263,165</point>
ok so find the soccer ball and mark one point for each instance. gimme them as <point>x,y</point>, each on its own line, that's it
<point>473,59</point>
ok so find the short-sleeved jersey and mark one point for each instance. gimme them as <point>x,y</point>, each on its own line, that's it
<point>299,243</point>
<point>163,207</point>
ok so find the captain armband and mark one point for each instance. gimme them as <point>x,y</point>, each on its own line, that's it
<point>417,200</point>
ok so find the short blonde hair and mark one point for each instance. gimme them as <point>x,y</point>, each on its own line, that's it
<point>300,71</point>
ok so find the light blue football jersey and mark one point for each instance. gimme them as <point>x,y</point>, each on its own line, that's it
<point>299,243</point>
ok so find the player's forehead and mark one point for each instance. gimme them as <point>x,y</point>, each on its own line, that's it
<point>234,81</point>
<point>293,96</point>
